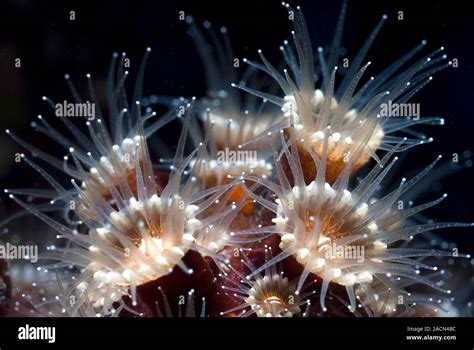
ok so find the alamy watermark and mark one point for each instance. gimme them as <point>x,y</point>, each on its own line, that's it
<point>394,109</point>
<point>68,109</point>
<point>10,251</point>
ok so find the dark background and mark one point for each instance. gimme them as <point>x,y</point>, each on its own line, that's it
<point>49,45</point>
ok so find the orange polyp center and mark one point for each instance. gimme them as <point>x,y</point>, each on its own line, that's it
<point>308,224</point>
<point>273,304</point>
<point>273,301</point>
<point>151,224</point>
<point>334,165</point>
<point>153,228</point>
<point>130,177</point>
<point>331,225</point>
<point>237,194</point>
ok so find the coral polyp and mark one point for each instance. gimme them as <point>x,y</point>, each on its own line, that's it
<point>350,111</point>
<point>344,235</point>
<point>137,236</point>
<point>270,294</point>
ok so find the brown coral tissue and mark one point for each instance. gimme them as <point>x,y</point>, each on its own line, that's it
<point>274,167</point>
